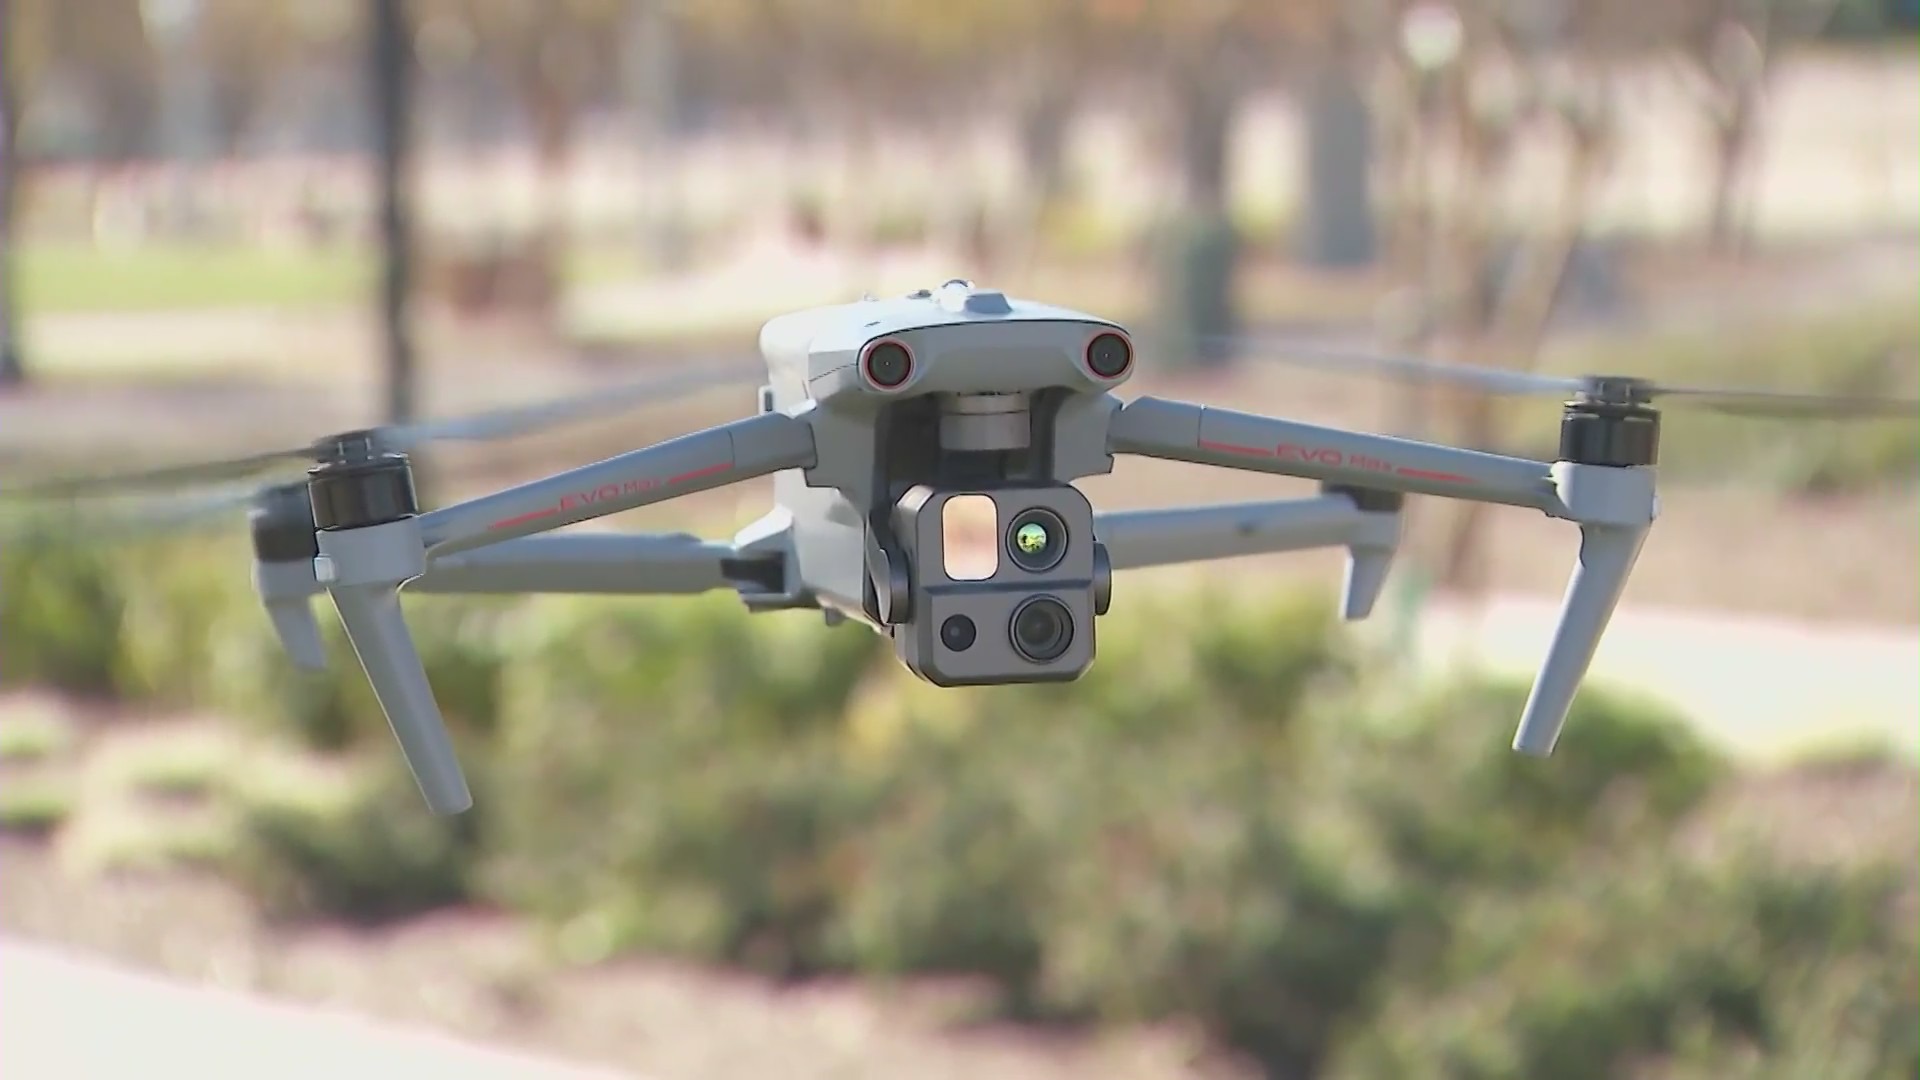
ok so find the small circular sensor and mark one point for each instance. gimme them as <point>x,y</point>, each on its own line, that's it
<point>958,633</point>
<point>1109,356</point>
<point>888,364</point>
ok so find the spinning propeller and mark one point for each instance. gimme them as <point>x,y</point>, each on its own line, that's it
<point>1765,404</point>
<point>497,424</point>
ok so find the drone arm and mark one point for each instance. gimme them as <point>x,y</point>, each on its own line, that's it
<point>607,563</point>
<point>625,564</point>
<point>1203,435</point>
<point>719,456</point>
<point>1368,527</point>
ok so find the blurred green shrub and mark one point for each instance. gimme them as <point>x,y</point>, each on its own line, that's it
<point>1656,967</point>
<point>460,642</point>
<point>180,599</point>
<point>61,609</point>
<point>664,799</point>
<point>348,844</point>
<point>1453,802</point>
<point>1222,821</point>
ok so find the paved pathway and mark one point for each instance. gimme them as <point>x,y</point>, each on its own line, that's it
<point>67,1018</point>
<point>1762,687</point>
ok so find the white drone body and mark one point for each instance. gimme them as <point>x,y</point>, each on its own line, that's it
<point>875,416</point>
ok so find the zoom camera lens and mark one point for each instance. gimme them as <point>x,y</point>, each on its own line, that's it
<point>1041,630</point>
<point>1036,540</point>
<point>958,633</point>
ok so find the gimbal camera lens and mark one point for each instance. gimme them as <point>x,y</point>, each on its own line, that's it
<point>1109,356</point>
<point>958,633</point>
<point>888,364</point>
<point>1041,629</point>
<point>1036,540</point>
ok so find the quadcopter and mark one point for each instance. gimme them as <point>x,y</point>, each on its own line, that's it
<point>874,419</point>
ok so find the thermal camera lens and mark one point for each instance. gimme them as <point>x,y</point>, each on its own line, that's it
<point>1042,629</point>
<point>889,364</point>
<point>1036,540</point>
<point>958,633</point>
<point>1109,356</point>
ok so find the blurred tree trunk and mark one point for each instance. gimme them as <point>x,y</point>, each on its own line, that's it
<point>553,143</point>
<point>1043,121</point>
<point>393,63</point>
<point>1201,250</point>
<point>1733,139</point>
<point>1207,107</point>
<point>1512,318</point>
<point>651,77</point>
<point>1335,228</point>
<point>1738,53</point>
<point>12,370</point>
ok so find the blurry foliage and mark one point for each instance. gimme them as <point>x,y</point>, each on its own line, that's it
<point>347,846</point>
<point>61,613</point>
<point>34,808</point>
<point>1222,823</point>
<point>1647,966</point>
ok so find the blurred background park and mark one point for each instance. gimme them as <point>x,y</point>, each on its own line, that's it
<point>1262,845</point>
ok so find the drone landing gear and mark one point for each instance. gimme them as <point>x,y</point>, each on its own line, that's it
<point>1609,443</point>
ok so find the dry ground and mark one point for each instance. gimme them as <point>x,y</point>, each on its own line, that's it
<point>481,975</point>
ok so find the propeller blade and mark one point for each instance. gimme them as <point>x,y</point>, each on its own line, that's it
<point>606,401</point>
<point>1751,403</point>
<point>1771,404</point>
<point>496,424</point>
<point>143,518</point>
<point>164,476</point>
<point>1401,367</point>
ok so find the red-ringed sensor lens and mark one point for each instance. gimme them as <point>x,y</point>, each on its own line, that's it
<point>1109,355</point>
<point>887,364</point>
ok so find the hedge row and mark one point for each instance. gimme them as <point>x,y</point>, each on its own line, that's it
<point>1338,877</point>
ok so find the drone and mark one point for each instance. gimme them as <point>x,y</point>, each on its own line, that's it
<point>875,419</point>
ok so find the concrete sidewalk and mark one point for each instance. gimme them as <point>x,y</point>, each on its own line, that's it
<point>67,1018</point>
<point>1764,688</point>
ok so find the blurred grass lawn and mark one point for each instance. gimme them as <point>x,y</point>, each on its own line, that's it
<point>71,279</point>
